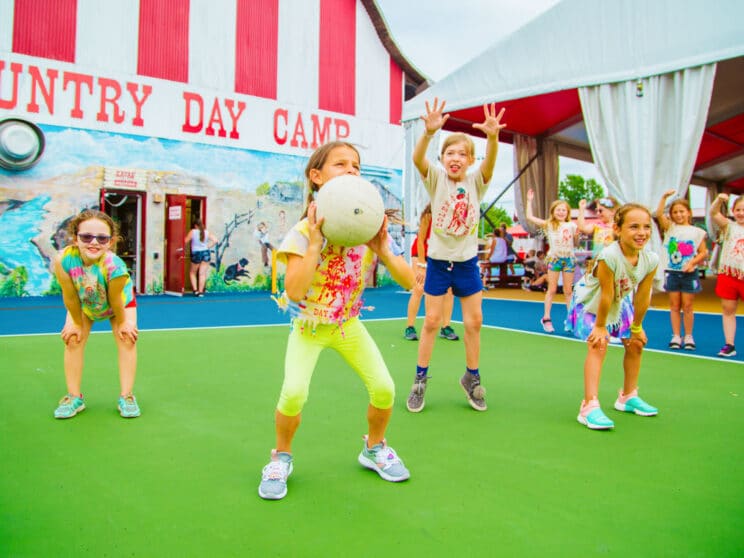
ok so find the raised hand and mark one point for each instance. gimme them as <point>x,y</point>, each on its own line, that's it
<point>314,224</point>
<point>434,118</point>
<point>491,125</point>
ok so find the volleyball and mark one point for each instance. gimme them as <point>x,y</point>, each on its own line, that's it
<point>352,208</point>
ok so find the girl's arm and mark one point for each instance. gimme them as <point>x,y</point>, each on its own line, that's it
<point>491,126</point>
<point>396,265</point>
<point>599,335</point>
<point>641,302</point>
<point>72,302</point>
<point>715,211</point>
<point>528,210</point>
<point>586,228</point>
<point>421,248</point>
<point>188,236</point>
<point>664,221</point>
<point>700,256</point>
<point>300,269</point>
<point>126,329</point>
<point>212,239</point>
<point>433,121</point>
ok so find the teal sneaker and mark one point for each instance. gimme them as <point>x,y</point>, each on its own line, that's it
<point>410,333</point>
<point>383,460</point>
<point>128,407</point>
<point>274,476</point>
<point>448,333</point>
<point>634,404</point>
<point>69,406</point>
<point>592,417</point>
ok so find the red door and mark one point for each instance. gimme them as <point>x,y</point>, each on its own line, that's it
<point>175,232</point>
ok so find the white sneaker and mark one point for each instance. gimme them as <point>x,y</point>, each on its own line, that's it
<point>383,460</point>
<point>274,476</point>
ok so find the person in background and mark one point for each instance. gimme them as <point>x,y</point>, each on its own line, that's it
<point>201,242</point>
<point>686,248</point>
<point>730,281</point>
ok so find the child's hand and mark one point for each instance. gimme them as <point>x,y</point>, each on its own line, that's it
<point>669,192</point>
<point>530,195</point>
<point>598,338</point>
<point>582,204</point>
<point>316,235</point>
<point>723,197</point>
<point>491,125</point>
<point>639,337</point>
<point>379,243</point>
<point>128,332</point>
<point>71,331</point>
<point>434,120</point>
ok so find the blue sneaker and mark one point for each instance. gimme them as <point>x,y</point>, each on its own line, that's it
<point>592,417</point>
<point>274,476</point>
<point>383,460</point>
<point>631,403</point>
<point>128,407</point>
<point>69,406</point>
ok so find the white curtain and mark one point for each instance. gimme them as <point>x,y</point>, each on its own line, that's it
<point>645,134</point>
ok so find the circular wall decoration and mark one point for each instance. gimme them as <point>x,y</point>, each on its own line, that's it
<point>21,144</point>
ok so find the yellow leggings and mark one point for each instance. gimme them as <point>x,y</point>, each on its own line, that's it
<point>355,346</point>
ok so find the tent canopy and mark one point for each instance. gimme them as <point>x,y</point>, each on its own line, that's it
<point>535,72</point>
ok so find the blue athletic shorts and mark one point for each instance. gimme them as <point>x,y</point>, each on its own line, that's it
<point>463,277</point>
<point>682,282</point>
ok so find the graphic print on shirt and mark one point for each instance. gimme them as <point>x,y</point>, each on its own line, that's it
<point>457,215</point>
<point>680,252</point>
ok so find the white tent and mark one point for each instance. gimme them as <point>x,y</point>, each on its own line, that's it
<point>659,84</point>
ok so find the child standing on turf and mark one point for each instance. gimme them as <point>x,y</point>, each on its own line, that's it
<point>561,234</point>
<point>730,281</point>
<point>324,283</point>
<point>685,248</point>
<point>612,300</point>
<point>96,286</point>
<point>452,260</point>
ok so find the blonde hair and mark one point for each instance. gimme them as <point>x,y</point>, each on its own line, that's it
<point>86,215</point>
<point>554,222</point>
<point>459,138</point>
<point>316,161</point>
<point>737,201</point>
<point>623,210</point>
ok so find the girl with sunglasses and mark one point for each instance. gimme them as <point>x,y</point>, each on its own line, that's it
<point>96,286</point>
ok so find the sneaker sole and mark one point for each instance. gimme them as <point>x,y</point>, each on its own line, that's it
<point>124,415</point>
<point>412,410</point>
<point>586,423</point>
<point>369,464</point>
<point>624,409</point>
<point>472,403</point>
<point>276,496</point>
<point>732,354</point>
<point>78,410</point>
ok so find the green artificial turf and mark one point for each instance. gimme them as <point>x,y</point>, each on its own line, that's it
<point>523,479</point>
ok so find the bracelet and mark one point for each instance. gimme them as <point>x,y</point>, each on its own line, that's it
<point>636,328</point>
<point>430,135</point>
<point>423,266</point>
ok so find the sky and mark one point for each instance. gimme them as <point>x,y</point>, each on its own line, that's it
<point>439,36</point>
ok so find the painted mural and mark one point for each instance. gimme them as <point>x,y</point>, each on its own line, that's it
<point>252,199</point>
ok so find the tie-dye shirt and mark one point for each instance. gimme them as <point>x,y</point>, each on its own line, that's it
<point>335,294</point>
<point>732,251</point>
<point>91,282</point>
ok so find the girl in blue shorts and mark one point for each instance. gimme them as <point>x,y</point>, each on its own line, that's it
<point>324,283</point>
<point>561,234</point>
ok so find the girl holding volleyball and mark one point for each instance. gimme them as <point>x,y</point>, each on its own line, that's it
<point>96,286</point>
<point>612,300</point>
<point>324,283</point>
<point>452,259</point>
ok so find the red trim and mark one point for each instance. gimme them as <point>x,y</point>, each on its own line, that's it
<point>163,48</point>
<point>256,47</point>
<point>396,92</point>
<point>45,29</point>
<point>337,64</point>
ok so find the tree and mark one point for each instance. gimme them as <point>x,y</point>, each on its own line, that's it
<point>574,189</point>
<point>494,217</point>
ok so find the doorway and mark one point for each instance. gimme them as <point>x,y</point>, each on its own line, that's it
<point>181,212</point>
<point>127,209</point>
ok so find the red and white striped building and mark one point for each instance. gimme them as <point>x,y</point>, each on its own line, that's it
<point>270,76</point>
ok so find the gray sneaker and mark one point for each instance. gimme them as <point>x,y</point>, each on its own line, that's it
<point>274,476</point>
<point>448,333</point>
<point>382,459</point>
<point>474,391</point>
<point>415,402</point>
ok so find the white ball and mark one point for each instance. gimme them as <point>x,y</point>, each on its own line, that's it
<point>353,210</point>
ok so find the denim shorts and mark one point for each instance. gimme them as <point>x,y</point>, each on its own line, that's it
<point>463,277</point>
<point>682,282</point>
<point>200,256</point>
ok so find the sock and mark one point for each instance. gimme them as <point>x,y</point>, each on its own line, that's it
<point>473,371</point>
<point>421,371</point>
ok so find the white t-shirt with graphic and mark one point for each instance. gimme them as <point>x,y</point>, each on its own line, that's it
<point>732,252</point>
<point>455,214</point>
<point>681,244</point>
<point>561,240</point>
